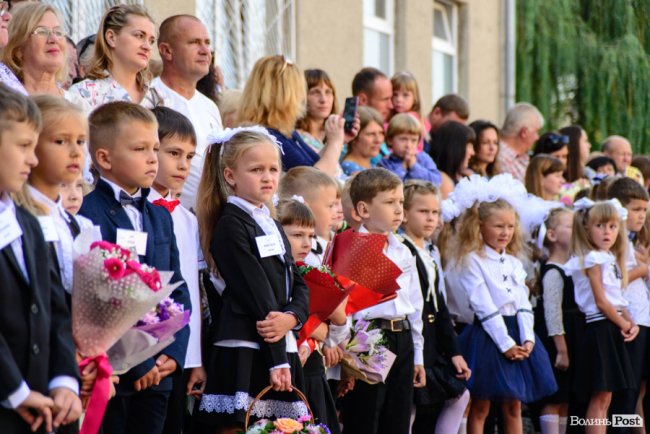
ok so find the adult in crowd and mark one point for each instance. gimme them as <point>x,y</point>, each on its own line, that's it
<point>363,148</point>
<point>642,162</point>
<point>450,107</point>
<point>73,63</point>
<point>451,149</point>
<point>228,104</point>
<point>619,149</point>
<point>36,51</point>
<point>184,46</point>
<point>7,76</point>
<point>274,97</point>
<point>519,132</point>
<point>321,103</point>
<point>85,51</point>
<point>486,148</point>
<point>579,148</point>
<point>374,89</point>
<point>118,70</point>
<point>554,144</point>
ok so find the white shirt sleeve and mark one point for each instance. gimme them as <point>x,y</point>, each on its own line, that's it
<point>486,311</point>
<point>64,381</point>
<point>415,318</point>
<point>18,396</point>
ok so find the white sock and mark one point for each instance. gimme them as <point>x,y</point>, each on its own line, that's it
<point>549,423</point>
<point>563,421</point>
<point>463,426</point>
<point>451,416</point>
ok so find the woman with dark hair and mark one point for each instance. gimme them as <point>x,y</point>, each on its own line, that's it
<point>452,145</point>
<point>486,148</point>
<point>579,148</point>
<point>554,144</point>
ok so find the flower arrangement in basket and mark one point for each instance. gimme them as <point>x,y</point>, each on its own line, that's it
<point>111,292</point>
<point>365,354</point>
<point>302,425</point>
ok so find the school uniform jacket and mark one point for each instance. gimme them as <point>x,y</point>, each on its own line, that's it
<point>104,210</point>
<point>255,286</point>
<point>36,343</point>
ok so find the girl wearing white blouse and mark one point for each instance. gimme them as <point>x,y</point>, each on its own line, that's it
<point>598,269</point>
<point>500,345</point>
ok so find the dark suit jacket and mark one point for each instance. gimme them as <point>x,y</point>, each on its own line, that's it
<point>255,286</point>
<point>101,207</point>
<point>35,331</point>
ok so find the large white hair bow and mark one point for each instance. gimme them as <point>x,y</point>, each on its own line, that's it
<point>225,135</point>
<point>586,204</point>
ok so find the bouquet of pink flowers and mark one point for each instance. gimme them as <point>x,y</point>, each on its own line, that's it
<point>302,425</point>
<point>366,356</point>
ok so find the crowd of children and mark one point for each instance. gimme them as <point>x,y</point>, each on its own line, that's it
<point>508,302</point>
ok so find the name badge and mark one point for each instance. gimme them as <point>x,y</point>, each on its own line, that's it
<point>132,240</point>
<point>49,228</point>
<point>9,228</point>
<point>268,245</point>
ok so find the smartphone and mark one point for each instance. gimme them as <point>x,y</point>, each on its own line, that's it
<point>350,112</point>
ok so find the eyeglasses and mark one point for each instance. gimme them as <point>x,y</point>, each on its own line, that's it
<point>4,7</point>
<point>46,32</point>
<point>558,138</point>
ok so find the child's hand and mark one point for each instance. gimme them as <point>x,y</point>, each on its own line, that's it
<point>641,255</point>
<point>281,379</point>
<point>151,378</point>
<point>345,385</point>
<point>88,376</point>
<point>333,356</point>
<point>67,406</point>
<point>630,333</point>
<point>114,380</point>
<point>419,376</point>
<point>410,160</point>
<point>166,366</point>
<point>320,333</point>
<point>462,370</point>
<point>527,348</point>
<point>275,326</point>
<point>338,317</point>
<point>303,354</point>
<point>514,353</point>
<point>39,404</point>
<point>562,361</point>
<point>196,382</point>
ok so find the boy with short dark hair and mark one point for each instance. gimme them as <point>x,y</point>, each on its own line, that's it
<point>124,146</point>
<point>635,199</point>
<point>39,383</point>
<point>378,198</point>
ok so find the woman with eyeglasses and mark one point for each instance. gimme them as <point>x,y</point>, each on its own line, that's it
<point>36,51</point>
<point>274,97</point>
<point>554,144</point>
<point>7,76</point>
<point>119,67</point>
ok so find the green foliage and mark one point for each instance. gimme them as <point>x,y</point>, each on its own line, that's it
<point>586,62</point>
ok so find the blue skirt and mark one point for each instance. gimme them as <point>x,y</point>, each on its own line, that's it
<point>496,378</point>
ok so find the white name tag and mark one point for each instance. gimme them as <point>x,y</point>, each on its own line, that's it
<point>9,228</point>
<point>49,228</point>
<point>132,240</point>
<point>268,245</point>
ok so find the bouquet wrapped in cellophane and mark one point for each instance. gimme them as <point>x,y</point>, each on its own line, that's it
<point>365,354</point>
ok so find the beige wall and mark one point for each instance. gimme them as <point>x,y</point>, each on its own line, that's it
<point>329,36</point>
<point>163,9</point>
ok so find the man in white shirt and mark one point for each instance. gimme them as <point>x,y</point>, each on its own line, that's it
<point>184,47</point>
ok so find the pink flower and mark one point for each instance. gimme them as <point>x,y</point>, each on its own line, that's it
<point>115,268</point>
<point>305,418</point>
<point>133,265</point>
<point>150,317</point>
<point>104,245</point>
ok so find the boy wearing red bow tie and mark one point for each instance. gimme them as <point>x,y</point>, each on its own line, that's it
<point>177,148</point>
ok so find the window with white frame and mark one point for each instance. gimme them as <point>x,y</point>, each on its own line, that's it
<point>242,31</point>
<point>378,34</point>
<point>445,49</point>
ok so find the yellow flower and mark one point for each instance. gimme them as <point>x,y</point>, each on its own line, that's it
<point>288,426</point>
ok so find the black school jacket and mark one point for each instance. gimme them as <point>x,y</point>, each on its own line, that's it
<point>35,330</point>
<point>255,286</point>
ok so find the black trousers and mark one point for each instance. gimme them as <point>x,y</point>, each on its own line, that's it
<point>176,421</point>
<point>384,408</point>
<point>140,413</point>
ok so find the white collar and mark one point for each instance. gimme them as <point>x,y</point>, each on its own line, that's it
<point>117,189</point>
<point>154,195</point>
<point>52,206</point>
<point>158,81</point>
<point>251,209</point>
<point>6,203</point>
<point>494,255</point>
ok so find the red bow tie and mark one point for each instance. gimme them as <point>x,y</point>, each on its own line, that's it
<point>169,205</point>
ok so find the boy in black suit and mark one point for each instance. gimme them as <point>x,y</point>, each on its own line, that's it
<point>39,384</point>
<point>123,146</point>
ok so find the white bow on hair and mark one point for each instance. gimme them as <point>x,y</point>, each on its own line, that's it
<point>225,135</point>
<point>586,204</point>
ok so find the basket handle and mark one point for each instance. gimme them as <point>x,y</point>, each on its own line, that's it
<point>264,392</point>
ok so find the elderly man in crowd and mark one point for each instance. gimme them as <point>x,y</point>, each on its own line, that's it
<point>618,148</point>
<point>184,47</point>
<point>519,133</point>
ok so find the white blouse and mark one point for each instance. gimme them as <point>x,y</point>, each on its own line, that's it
<point>101,91</point>
<point>457,299</point>
<point>611,275</point>
<point>495,285</point>
<point>637,293</point>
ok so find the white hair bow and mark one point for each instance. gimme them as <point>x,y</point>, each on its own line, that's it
<point>586,203</point>
<point>298,199</point>
<point>225,135</point>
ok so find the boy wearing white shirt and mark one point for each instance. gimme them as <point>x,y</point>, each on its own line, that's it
<point>378,197</point>
<point>177,148</point>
